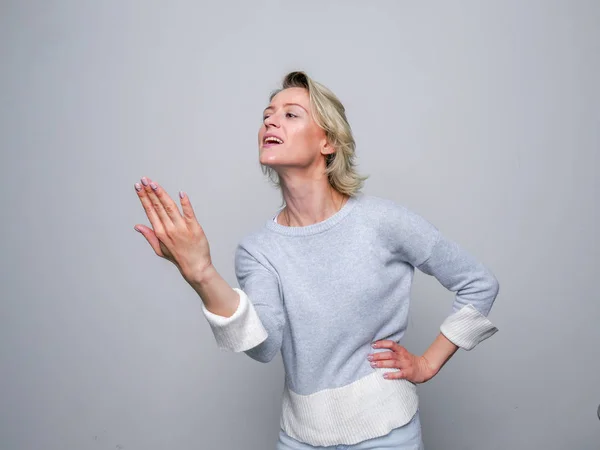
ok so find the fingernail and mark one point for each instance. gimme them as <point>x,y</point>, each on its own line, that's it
<point>374,344</point>
<point>153,185</point>
<point>385,375</point>
<point>145,181</point>
<point>138,187</point>
<point>370,357</point>
<point>136,229</point>
<point>181,194</point>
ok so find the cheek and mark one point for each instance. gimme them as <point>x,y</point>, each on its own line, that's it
<point>302,134</point>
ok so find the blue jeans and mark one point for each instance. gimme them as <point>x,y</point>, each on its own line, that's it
<point>406,437</point>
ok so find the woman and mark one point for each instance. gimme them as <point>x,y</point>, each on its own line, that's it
<point>327,281</point>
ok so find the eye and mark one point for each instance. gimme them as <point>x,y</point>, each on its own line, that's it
<point>290,114</point>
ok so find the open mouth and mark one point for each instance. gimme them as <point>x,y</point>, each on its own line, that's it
<point>271,141</point>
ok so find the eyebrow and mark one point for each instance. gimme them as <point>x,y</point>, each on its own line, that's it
<point>286,104</point>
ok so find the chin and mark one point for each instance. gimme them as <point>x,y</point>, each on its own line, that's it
<point>267,157</point>
<point>271,162</point>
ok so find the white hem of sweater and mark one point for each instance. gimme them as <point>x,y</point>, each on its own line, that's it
<point>239,332</point>
<point>364,409</point>
<point>467,327</point>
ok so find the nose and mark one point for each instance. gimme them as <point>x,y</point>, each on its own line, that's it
<point>272,120</point>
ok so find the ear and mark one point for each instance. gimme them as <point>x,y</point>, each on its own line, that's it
<point>326,147</point>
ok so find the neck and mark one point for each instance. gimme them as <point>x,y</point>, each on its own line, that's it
<point>308,205</point>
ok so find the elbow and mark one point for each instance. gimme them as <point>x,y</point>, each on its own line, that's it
<point>488,282</point>
<point>494,286</point>
<point>492,289</point>
<point>263,357</point>
<point>260,358</point>
<point>264,352</point>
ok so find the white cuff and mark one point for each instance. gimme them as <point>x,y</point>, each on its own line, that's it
<point>239,332</point>
<point>467,327</point>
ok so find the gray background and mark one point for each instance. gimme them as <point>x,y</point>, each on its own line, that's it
<point>481,116</point>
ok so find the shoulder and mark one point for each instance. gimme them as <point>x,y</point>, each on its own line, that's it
<point>254,248</point>
<point>392,211</point>
<point>254,259</point>
<point>402,230</point>
<point>248,247</point>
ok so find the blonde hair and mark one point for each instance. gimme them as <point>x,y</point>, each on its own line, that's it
<point>329,113</point>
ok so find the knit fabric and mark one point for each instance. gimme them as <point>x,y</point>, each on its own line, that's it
<point>321,294</point>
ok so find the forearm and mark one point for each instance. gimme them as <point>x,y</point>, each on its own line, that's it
<point>216,294</point>
<point>439,352</point>
<point>232,317</point>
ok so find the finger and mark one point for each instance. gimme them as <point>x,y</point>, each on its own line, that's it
<point>383,355</point>
<point>150,237</point>
<point>157,197</point>
<point>390,363</point>
<point>401,352</point>
<point>385,343</point>
<point>169,206</point>
<point>398,348</point>
<point>395,375</point>
<point>149,207</point>
<point>405,359</point>
<point>388,343</point>
<point>186,207</point>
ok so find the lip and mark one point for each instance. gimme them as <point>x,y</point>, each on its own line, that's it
<point>272,144</point>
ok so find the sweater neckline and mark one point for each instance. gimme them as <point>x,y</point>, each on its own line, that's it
<point>318,227</point>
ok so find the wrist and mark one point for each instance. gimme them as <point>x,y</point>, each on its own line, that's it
<point>202,276</point>
<point>438,353</point>
<point>429,369</point>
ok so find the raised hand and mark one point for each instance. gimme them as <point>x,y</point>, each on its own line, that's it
<point>173,236</point>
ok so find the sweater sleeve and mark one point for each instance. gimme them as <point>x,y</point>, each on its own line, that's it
<point>256,327</point>
<point>476,287</point>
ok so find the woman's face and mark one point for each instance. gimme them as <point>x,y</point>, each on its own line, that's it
<point>289,136</point>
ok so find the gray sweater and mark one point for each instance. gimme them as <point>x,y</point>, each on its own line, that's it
<point>322,293</point>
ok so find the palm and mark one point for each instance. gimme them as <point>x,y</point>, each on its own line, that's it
<point>174,236</point>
